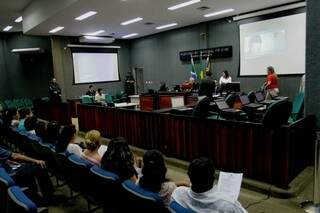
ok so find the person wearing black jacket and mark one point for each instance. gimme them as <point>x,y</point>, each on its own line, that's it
<point>207,86</point>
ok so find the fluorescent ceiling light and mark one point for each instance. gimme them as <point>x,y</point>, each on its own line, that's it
<point>166,26</point>
<point>95,33</point>
<point>56,29</point>
<point>130,35</point>
<point>175,7</point>
<point>219,12</point>
<point>86,15</point>
<point>18,20</point>
<point>7,28</point>
<point>93,37</point>
<point>132,21</point>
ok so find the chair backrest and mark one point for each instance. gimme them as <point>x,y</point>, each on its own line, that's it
<point>252,96</point>
<point>277,114</point>
<point>79,171</point>
<point>108,98</point>
<point>141,200</point>
<point>86,99</point>
<point>100,180</point>
<point>18,202</point>
<point>10,104</point>
<point>202,108</point>
<point>177,208</point>
<point>5,182</point>
<point>231,99</point>
<point>297,106</point>
<point>61,165</point>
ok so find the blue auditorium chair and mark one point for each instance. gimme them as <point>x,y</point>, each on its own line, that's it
<point>140,200</point>
<point>18,202</point>
<point>104,189</point>
<point>177,208</point>
<point>5,182</point>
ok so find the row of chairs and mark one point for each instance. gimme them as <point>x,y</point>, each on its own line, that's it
<point>99,187</point>
<point>16,103</point>
<point>13,199</point>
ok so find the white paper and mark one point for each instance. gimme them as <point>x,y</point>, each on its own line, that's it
<point>230,184</point>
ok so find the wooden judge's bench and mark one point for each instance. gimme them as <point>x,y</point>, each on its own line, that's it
<point>163,100</point>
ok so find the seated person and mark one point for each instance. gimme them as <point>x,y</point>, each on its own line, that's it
<point>30,124</point>
<point>188,85</point>
<point>119,159</point>
<point>154,176</point>
<point>91,91</point>
<point>99,97</point>
<point>66,142</point>
<point>207,86</point>
<point>225,78</point>
<point>92,142</point>
<point>52,133</point>
<point>31,173</point>
<point>23,114</point>
<point>202,108</point>
<point>203,196</point>
<point>40,129</point>
<point>163,87</point>
<point>11,118</point>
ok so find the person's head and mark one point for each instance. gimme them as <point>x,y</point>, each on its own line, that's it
<point>225,74</point>
<point>270,70</point>
<point>208,74</point>
<point>191,80</point>
<point>54,80</point>
<point>53,131</point>
<point>92,140</point>
<point>40,129</point>
<point>99,91</point>
<point>91,87</point>
<point>22,113</point>
<point>118,158</point>
<point>66,136</point>
<point>154,171</point>
<point>201,173</point>
<point>30,123</point>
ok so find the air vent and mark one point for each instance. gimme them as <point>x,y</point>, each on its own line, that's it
<point>149,23</point>
<point>203,8</point>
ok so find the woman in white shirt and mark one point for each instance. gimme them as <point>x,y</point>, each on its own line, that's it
<point>99,97</point>
<point>225,78</point>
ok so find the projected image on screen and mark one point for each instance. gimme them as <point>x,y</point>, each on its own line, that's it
<point>276,42</point>
<point>95,67</point>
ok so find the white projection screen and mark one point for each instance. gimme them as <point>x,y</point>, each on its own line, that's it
<point>278,42</point>
<point>95,67</point>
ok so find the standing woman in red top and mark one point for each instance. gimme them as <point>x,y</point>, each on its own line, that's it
<point>271,84</point>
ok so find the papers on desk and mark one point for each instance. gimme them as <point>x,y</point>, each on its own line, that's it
<point>230,184</point>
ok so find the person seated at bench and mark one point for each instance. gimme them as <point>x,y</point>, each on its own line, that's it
<point>203,196</point>
<point>99,97</point>
<point>23,115</point>
<point>92,142</point>
<point>30,124</point>
<point>154,178</point>
<point>119,159</point>
<point>66,142</point>
<point>28,172</point>
<point>52,133</point>
<point>11,118</point>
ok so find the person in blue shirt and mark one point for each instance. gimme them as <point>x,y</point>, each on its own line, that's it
<point>23,115</point>
<point>28,172</point>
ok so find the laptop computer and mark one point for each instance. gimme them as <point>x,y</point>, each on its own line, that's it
<point>224,107</point>
<point>261,99</point>
<point>246,102</point>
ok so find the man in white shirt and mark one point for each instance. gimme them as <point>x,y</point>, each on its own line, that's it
<point>203,196</point>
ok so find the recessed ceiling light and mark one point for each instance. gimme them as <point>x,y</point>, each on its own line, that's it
<point>54,30</point>
<point>132,21</point>
<point>130,35</point>
<point>18,20</point>
<point>219,12</point>
<point>95,33</point>
<point>166,26</point>
<point>187,3</point>
<point>93,37</point>
<point>86,15</point>
<point>7,28</point>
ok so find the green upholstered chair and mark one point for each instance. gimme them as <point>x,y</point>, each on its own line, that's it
<point>86,99</point>
<point>277,114</point>
<point>28,103</point>
<point>10,104</point>
<point>109,99</point>
<point>251,96</point>
<point>297,107</point>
